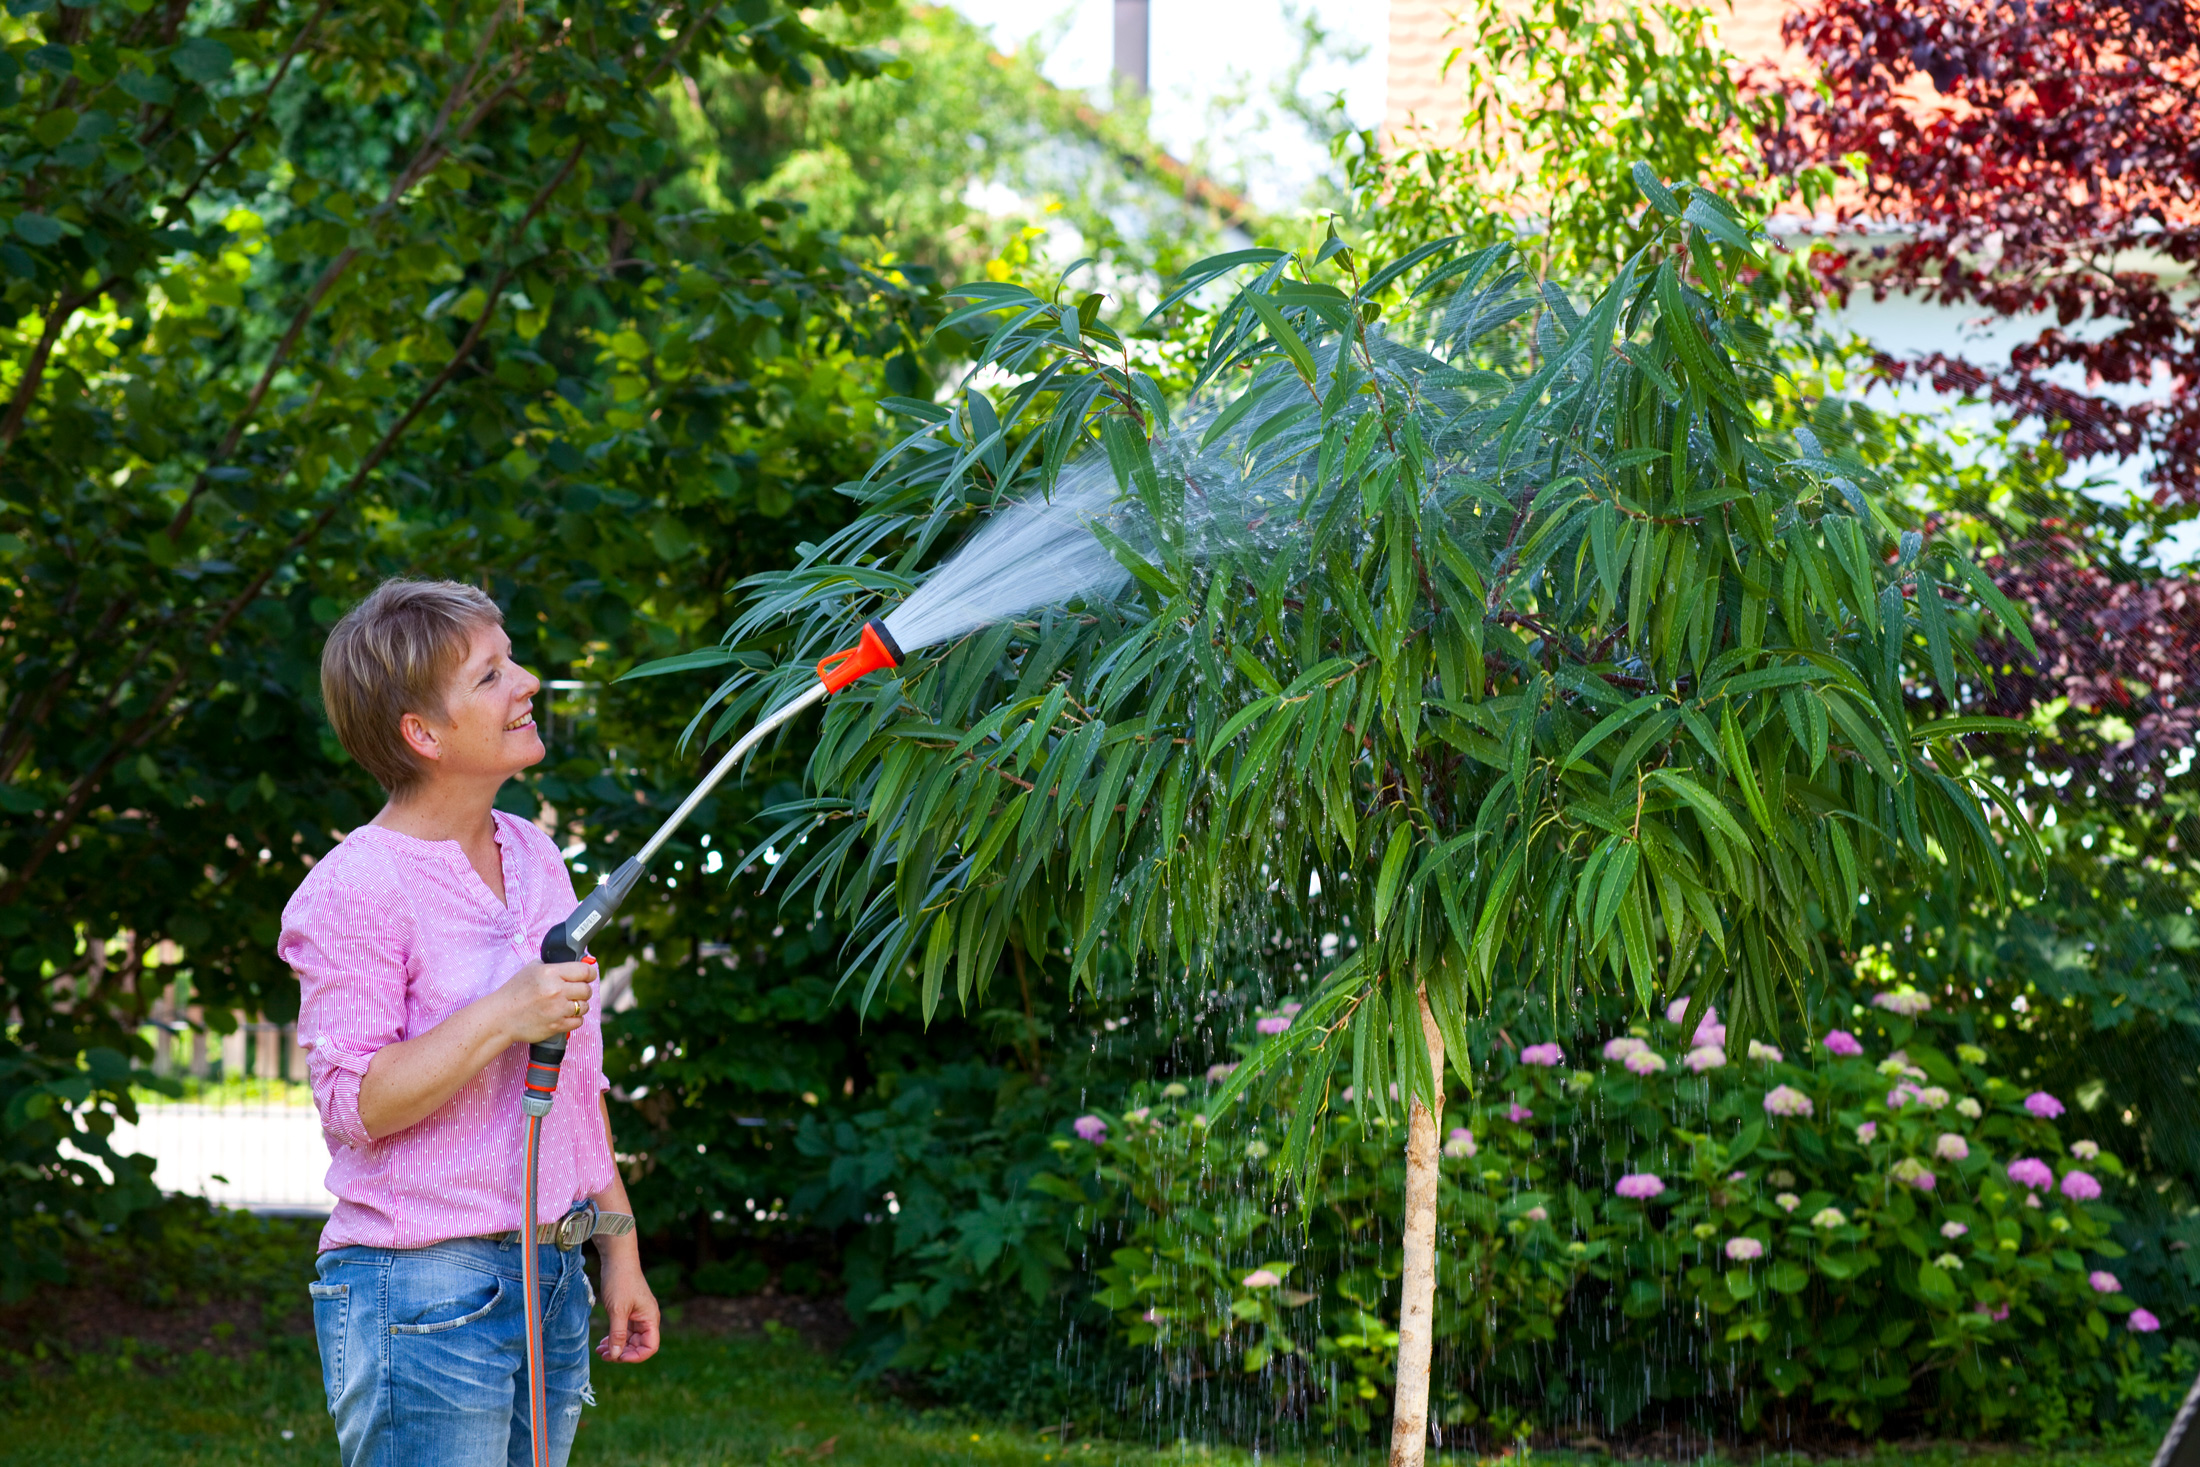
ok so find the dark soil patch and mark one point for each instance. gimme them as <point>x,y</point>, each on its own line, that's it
<point>73,1323</point>
<point>821,1323</point>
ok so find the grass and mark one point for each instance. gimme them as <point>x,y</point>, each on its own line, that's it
<point>704,1402</point>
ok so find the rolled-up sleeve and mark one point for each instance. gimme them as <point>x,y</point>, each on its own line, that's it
<point>348,945</point>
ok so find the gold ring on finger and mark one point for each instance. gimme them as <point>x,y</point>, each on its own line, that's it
<point>580,1006</point>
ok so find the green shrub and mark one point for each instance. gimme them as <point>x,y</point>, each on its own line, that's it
<point>1897,1240</point>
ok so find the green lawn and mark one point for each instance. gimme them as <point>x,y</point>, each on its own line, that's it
<point>705,1402</point>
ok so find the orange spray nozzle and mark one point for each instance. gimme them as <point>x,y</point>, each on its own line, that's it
<point>873,650</point>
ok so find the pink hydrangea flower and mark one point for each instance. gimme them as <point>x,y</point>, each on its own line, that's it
<point>1290,1010</point>
<point>2143,1322</point>
<point>1516,1113</point>
<point>1901,1095</point>
<point>1708,1032</point>
<point>1537,1214</point>
<point>1914,1173</point>
<point>1275,1025</point>
<point>2104,1282</point>
<point>1545,1055</point>
<point>1704,1057</point>
<point>1994,1314</point>
<point>1951,1147</point>
<point>1769,1054</point>
<point>2081,1187</point>
<point>1786,1100</point>
<point>1907,1002</point>
<point>1216,1074</point>
<point>1644,1062</point>
<point>1090,1128</point>
<point>1866,1132</point>
<point>1625,1045</point>
<point>2085,1150</point>
<point>1953,1230</point>
<point>1459,1145</point>
<point>1842,1043</point>
<point>1640,1185</point>
<point>2030,1171</point>
<point>1262,1278</point>
<point>2043,1105</point>
<point>1677,1010</point>
<point>1744,1250</point>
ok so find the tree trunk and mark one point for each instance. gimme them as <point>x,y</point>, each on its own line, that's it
<point>1417,1286</point>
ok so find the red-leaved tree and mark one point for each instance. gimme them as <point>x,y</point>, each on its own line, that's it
<point>2043,156</point>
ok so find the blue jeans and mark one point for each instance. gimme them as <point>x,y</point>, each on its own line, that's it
<point>424,1352</point>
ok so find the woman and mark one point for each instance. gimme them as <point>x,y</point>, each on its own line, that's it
<point>416,943</point>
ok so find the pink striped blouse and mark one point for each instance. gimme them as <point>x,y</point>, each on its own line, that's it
<point>390,935</point>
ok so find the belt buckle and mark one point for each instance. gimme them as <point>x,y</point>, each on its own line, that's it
<point>577,1227</point>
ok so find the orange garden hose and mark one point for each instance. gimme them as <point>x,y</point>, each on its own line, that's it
<point>568,943</point>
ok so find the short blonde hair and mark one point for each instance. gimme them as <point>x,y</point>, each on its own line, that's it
<point>394,654</point>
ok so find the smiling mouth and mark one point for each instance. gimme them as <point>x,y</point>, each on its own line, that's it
<point>525,720</point>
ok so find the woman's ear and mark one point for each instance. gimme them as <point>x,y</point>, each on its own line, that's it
<point>419,738</point>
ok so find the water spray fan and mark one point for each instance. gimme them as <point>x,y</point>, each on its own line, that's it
<point>567,942</point>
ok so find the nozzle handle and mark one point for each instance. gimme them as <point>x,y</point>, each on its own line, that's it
<point>875,648</point>
<point>568,943</point>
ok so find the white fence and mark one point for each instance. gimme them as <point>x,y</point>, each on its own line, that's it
<point>246,1135</point>
<point>263,1151</point>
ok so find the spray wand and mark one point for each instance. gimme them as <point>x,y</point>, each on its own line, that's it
<point>568,943</point>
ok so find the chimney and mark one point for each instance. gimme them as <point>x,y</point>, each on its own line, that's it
<point>1130,45</point>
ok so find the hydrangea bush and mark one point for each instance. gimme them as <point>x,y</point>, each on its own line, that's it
<point>1860,1237</point>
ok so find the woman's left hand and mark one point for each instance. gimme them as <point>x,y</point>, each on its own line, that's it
<point>635,1323</point>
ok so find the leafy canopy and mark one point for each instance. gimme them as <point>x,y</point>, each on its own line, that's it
<point>1559,668</point>
<point>294,297</point>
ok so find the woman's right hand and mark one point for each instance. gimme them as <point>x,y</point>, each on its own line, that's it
<point>539,1000</point>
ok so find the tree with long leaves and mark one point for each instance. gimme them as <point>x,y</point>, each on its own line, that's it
<point>1484,637</point>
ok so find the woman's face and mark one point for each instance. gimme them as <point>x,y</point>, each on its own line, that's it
<point>488,729</point>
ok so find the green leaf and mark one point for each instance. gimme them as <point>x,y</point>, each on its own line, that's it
<point>36,229</point>
<point>202,59</point>
<point>1660,197</point>
<point>1148,574</point>
<point>1714,222</point>
<point>1991,596</point>
<point>689,662</point>
<point>1702,801</point>
<point>1742,770</point>
<point>1271,316</point>
<point>1948,728</point>
<point>1394,865</point>
<point>1609,725</point>
<point>1787,1277</point>
<point>1238,407</point>
<point>1239,722</point>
